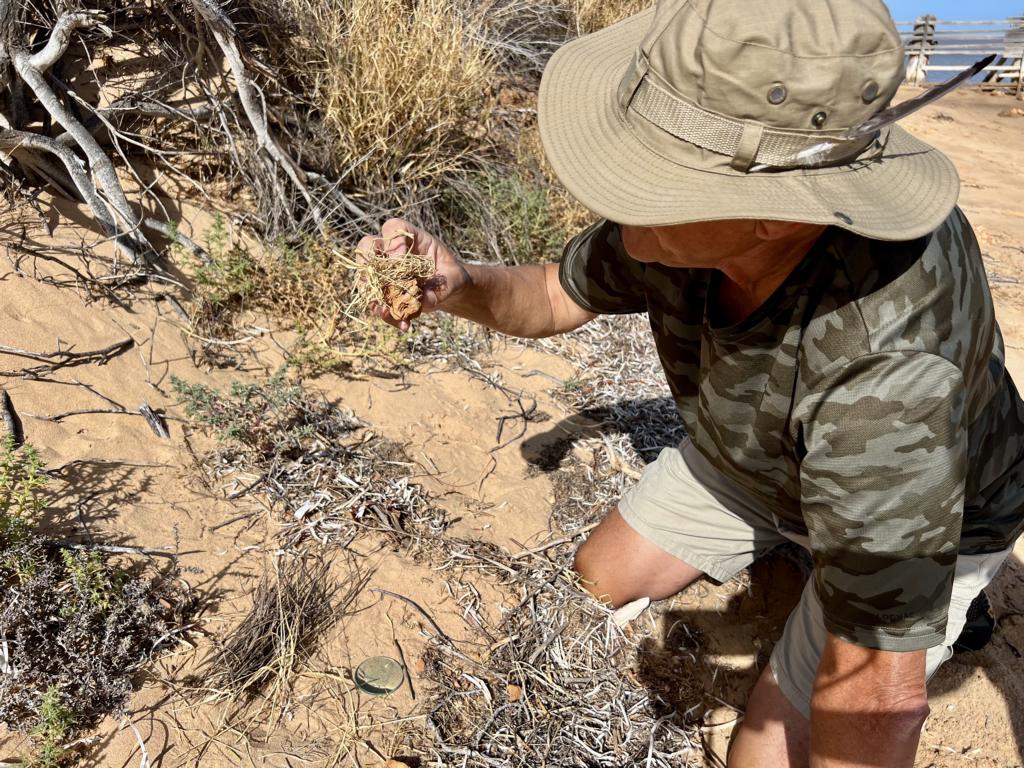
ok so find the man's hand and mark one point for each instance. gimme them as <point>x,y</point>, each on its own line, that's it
<point>525,301</point>
<point>397,238</point>
<point>868,707</point>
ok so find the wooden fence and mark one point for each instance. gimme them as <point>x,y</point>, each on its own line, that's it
<point>943,48</point>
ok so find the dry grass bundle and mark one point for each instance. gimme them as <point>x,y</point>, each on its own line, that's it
<point>390,281</point>
<point>592,15</point>
<point>292,607</point>
<point>401,87</point>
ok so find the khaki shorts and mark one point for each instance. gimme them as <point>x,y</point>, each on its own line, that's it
<point>687,508</point>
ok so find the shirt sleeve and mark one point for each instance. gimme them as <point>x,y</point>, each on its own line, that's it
<point>599,275</point>
<point>882,493</point>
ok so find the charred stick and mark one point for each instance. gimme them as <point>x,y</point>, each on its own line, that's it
<point>12,423</point>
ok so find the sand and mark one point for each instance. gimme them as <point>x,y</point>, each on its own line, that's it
<point>122,483</point>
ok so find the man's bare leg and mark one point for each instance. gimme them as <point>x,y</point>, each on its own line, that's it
<point>774,734</point>
<point>619,565</point>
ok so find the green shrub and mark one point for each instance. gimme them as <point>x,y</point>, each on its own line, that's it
<point>502,213</point>
<point>229,276</point>
<point>265,418</point>
<point>75,624</point>
<point>52,732</point>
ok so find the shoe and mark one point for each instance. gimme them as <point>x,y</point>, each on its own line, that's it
<point>977,631</point>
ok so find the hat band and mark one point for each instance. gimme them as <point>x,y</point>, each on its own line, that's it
<point>751,145</point>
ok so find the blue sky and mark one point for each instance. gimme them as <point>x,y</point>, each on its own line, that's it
<point>906,10</point>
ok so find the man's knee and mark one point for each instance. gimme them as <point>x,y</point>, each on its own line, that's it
<point>588,566</point>
<point>618,565</point>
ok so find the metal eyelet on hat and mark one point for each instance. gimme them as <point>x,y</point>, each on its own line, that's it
<point>870,92</point>
<point>819,119</point>
<point>777,94</point>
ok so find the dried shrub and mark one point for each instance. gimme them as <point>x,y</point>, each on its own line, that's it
<point>307,283</point>
<point>81,625</point>
<point>592,15</point>
<point>310,284</point>
<point>561,692</point>
<point>74,626</point>
<point>327,480</point>
<point>400,88</point>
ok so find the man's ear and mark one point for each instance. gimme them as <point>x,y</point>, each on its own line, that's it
<point>778,230</point>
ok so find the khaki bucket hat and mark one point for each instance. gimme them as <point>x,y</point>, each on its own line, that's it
<point>700,110</point>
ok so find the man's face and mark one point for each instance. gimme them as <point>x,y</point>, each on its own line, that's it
<point>703,244</point>
<point>714,244</point>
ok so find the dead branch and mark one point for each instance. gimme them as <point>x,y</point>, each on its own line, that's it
<point>12,424</point>
<point>224,33</point>
<point>101,170</point>
<point>63,358</point>
<point>173,234</point>
<point>111,549</point>
<point>157,421</point>
<point>60,37</point>
<point>16,142</point>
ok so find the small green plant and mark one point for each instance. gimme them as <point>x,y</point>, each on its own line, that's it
<point>312,356</point>
<point>230,275</point>
<point>53,731</point>
<point>21,482</point>
<point>21,502</point>
<point>267,418</point>
<point>505,213</point>
<point>572,384</point>
<point>94,583</point>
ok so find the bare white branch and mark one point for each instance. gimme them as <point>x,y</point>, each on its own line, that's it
<point>60,37</point>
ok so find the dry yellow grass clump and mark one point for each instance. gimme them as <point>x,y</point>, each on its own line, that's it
<point>401,86</point>
<point>592,15</point>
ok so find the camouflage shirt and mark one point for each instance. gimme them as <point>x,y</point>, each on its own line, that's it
<point>865,404</point>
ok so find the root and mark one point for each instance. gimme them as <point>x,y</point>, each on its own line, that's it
<point>403,298</point>
<point>395,282</point>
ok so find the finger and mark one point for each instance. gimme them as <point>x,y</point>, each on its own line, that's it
<point>366,247</point>
<point>429,301</point>
<point>398,236</point>
<point>388,318</point>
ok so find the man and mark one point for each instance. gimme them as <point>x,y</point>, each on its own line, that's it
<point>822,315</point>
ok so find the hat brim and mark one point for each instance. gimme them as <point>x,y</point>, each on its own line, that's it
<point>906,193</point>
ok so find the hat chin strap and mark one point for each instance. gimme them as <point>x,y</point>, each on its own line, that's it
<point>752,146</point>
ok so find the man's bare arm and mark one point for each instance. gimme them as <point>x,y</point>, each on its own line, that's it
<point>526,301</point>
<point>868,707</point>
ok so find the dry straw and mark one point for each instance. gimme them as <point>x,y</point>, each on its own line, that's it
<point>400,87</point>
<point>293,606</point>
<point>385,280</point>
